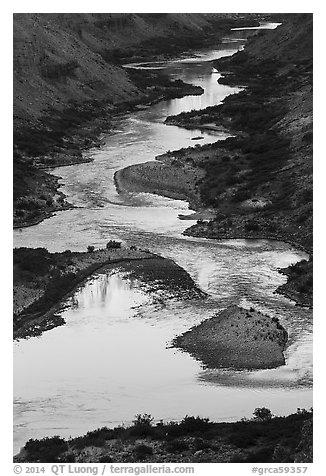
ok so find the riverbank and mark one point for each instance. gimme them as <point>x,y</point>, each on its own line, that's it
<point>165,178</point>
<point>65,139</point>
<point>43,280</point>
<point>236,338</point>
<point>62,106</point>
<point>299,285</point>
<point>193,440</point>
<point>163,279</point>
<point>259,182</point>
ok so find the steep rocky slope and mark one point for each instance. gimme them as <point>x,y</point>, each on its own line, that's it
<point>59,58</point>
<point>260,181</point>
<point>53,66</point>
<point>68,81</point>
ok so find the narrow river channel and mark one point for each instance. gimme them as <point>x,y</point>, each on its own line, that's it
<point>112,359</point>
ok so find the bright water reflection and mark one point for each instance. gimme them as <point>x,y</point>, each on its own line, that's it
<point>110,361</point>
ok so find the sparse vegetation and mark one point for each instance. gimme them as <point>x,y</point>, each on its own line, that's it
<point>299,285</point>
<point>268,139</point>
<point>46,450</point>
<point>42,279</point>
<point>270,440</point>
<point>262,414</point>
<point>112,244</point>
<point>142,451</point>
<point>236,338</point>
<point>176,446</point>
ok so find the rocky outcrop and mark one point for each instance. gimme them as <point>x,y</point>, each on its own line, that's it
<point>236,338</point>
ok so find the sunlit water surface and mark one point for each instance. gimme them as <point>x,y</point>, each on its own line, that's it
<point>112,358</point>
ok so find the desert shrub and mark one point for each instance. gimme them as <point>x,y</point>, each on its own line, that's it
<point>242,439</point>
<point>263,455</point>
<point>176,446</point>
<point>272,227</point>
<point>145,419</point>
<point>141,451</point>
<point>306,196</point>
<point>282,454</point>
<point>90,248</point>
<point>251,226</point>
<point>262,414</point>
<point>308,137</point>
<point>33,260</point>
<point>93,438</point>
<point>304,214</point>
<point>191,425</point>
<point>29,203</point>
<point>195,423</point>
<point>237,459</point>
<point>232,180</point>
<point>241,195</point>
<point>112,244</point>
<point>303,411</point>
<point>68,458</point>
<point>142,425</point>
<point>200,444</point>
<point>46,450</point>
<point>20,213</point>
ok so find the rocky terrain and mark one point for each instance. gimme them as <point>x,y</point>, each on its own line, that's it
<point>236,338</point>
<point>164,177</point>
<point>68,82</point>
<point>260,181</point>
<point>263,439</point>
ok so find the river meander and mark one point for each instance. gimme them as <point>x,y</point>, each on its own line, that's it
<point>111,360</point>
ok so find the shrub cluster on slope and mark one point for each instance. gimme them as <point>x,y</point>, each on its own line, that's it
<point>263,439</point>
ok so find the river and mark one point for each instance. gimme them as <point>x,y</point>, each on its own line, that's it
<point>112,359</point>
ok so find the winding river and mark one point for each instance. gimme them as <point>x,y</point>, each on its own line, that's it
<point>112,359</point>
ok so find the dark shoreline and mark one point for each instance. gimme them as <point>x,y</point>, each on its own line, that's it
<point>191,440</point>
<point>102,124</point>
<point>40,315</point>
<point>43,217</point>
<point>202,228</point>
<point>43,312</point>
<point>80,123</point>
<point>270,156</point>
